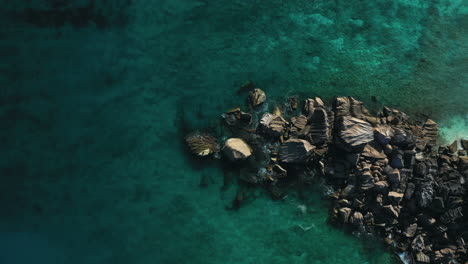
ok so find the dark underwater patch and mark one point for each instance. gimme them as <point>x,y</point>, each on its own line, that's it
<point>107,14</point>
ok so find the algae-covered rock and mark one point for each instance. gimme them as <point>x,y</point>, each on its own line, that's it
<point>202,144</point>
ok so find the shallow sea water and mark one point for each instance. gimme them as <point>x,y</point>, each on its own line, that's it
<point>96,98</point>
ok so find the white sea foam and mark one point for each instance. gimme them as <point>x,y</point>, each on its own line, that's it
<point>453,128</point>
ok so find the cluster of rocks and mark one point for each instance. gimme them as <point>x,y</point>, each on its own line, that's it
<point>390,178</point>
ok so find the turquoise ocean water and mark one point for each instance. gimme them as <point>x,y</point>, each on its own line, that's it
<point>94,99</point>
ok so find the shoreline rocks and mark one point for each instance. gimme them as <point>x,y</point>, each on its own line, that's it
<point>391,180</point>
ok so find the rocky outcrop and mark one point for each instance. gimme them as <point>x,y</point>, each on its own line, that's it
<point>236,149</point>
<point>388,178</point>
<point>319,127</point>
<point>295,151</point>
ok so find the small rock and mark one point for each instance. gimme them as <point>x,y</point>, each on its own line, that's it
<point>343,214</point>
<point>273,125</point>
<point>356,218</point>
<point>202,144</point>
<point>257,97</point>
<point>295,151</point>
<point>395,198</point>
<point>236,149</point>
<point>422,258</point>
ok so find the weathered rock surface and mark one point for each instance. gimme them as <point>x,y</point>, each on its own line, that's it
<point>319,130</point>
<point>295,151</point>
<point>431,132</point>
<point>273,125</point>
<point>236,149</point>
<point>354,133</point>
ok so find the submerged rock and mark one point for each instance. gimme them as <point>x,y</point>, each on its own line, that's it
<point>202,144</point>
<point>295,151</point>
<point>236,149</point>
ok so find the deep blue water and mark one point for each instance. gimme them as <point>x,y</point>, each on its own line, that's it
<point>94,99</point>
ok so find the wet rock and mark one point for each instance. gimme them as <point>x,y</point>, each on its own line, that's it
<point>383,134</point>
<point>236,149</point>
<point>464,143</point>
<point>319,130</point>
<point>273,125</point>
<point>354,133</point>
<point>356,218</point>
<point>257,97</point>
<point>202,144</point>
<point>235,117</point>
<point>343,214</point>
<point>295,151</point>
<point>430,132</point>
